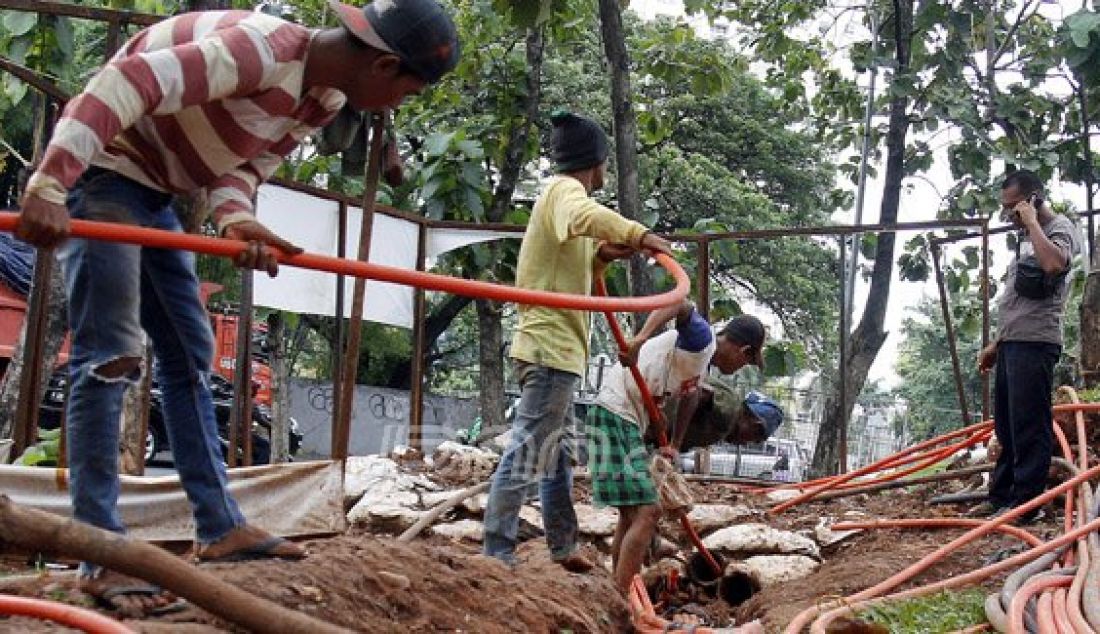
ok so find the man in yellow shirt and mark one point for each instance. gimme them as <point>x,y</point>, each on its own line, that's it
<point>550,347</point>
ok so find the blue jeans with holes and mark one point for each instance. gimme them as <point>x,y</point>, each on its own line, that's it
<point>115,292</point>
<point>537,451</point>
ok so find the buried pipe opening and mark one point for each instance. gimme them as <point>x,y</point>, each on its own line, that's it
<point>701,572</point>
<point>737,586</point>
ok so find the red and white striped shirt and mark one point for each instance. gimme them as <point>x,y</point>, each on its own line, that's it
<point>207,103</point>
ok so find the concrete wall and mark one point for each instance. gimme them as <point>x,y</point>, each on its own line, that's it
<point>380,418</point>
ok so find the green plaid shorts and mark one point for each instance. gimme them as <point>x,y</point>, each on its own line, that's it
<point>618,461</point>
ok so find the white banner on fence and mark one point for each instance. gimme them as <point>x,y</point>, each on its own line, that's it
<point>298,498</point>
<point>312,223</point>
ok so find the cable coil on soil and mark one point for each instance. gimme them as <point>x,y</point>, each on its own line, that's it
<point>1034,599</point>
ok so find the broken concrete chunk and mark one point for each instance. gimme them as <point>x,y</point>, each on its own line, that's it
<point>782,495</point>
<point>365,472</point>
<point>432,499</point>
<point>463,462</point>
<point>772,569</point>
<point>826,536</point>
<point>474,504</point>
<point>599,522</point>
<point>707,518</point>
<point>450,447</point>
<point>469,530</point>
<point>532,516</point>
<point>760,539</point>
<point>383,517</point>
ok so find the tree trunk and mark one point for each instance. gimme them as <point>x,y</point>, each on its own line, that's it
<point>135,421</point>
<point>56,326</point>
<point>490,328</point>
<point>434,326</point>
<point>1090,326</point>
<point>626,135</point>
<point>868,337</point>
<point>280,406</point>
<point>491,363</point>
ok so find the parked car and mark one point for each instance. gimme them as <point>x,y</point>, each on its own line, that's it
<point>156,439</point>
<point>775,459</point>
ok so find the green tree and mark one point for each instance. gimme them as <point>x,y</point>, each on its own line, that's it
<point>1079,40</point>
<point>980,70</point>
<point>924,366</point>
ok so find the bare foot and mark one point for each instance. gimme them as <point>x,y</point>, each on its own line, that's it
<point>248,542</point>
<point>127,596</point>
<point>754,627</point>
<point>686,619</point>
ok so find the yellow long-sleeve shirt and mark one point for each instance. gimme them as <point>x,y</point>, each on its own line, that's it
<point>557,255</point>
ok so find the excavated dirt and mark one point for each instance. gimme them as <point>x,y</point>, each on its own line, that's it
<point>357,580</point>
<point>374,584</point>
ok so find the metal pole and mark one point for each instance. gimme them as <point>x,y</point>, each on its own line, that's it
<point>114,37</point>
<point>704,278</point>
<point>1089,176</point>
<point>985,317</point>
<point>842,369</point>
<point>355,330</point>
<point>949,326</point>
<point>25,428</point>
<point>865,151</point>
<point>416,387</point>
<point>240,416</point>
<point>338,358</point>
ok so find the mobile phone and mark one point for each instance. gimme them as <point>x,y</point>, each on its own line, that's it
<point>1036,200</point>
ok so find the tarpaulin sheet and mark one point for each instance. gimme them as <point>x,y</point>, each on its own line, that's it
<point>297,498</point>
<point>16,263</point>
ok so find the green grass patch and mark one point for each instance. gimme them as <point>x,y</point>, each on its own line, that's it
<point>942,612</point>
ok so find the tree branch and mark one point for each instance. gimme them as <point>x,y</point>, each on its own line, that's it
<point>1020,17</point>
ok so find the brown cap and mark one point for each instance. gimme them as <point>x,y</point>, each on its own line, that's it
<point>747,331</point>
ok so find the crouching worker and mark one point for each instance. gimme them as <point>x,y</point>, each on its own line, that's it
<point>673,365</point>
<point>725,414</point>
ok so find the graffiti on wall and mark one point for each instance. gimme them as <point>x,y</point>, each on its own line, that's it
<point>380,418</point>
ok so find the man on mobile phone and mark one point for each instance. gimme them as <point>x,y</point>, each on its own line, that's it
<point>1028,344</point>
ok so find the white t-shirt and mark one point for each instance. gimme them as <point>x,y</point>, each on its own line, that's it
<point>672,364</point>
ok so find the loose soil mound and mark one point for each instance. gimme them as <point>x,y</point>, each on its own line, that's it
<point>375,584</point>
<point>372,583</point>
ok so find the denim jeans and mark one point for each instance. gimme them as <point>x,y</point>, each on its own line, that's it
<point>115,292</point>
<point>1023,420</point>
<point>537,451</point>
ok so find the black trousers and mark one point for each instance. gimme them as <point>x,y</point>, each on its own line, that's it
<point>1023,420</point>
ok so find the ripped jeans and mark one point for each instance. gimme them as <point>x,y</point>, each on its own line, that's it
<point>115,291</point>
<point>539,450</point>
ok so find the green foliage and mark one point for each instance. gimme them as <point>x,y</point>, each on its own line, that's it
<point>44,453</point>
<point>947,611</point>
<point>1091,395</point>
<point>452,177</point>
<point>924,365</point>
<point>784,358</point>
<point>44,44</point>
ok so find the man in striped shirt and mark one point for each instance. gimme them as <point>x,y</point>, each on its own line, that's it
<point>203,104</point>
